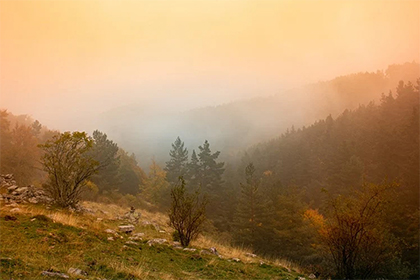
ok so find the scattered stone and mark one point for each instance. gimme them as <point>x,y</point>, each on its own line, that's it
<point>190,249</point>
<point>213,250</point>
<point>77,271</point>
<point>110,238</point>
<point>111,231</point>
<point>13,204</point>
<point>162,231</point>
<point>145,223</point>
<point>132,243</point>
<point>262,263</point>
<point>205,252</point>
<point>156,241</point>
<point>301,278</point>
<point>135,237</point>
<point>12,193</point>
<point>55,274</point>
<point>131,216</point>
<point>126,228</point>
<point>21,190</point>
<point>311,276</point>
<point>250,255</point>
<point>10,218</point>
<point>14,210</point>
<point>236,260</point>
<point>33,200</point>
<point>12,188</point>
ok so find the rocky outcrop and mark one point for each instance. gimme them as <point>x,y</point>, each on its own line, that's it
<point>10,192</point>
<point>126,228</point>
<point>157,241</point>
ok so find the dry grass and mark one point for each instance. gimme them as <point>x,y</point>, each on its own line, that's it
<point>229,251</point>
<point>58,216</point>
<point>111,211</point>
<point>137,271</point>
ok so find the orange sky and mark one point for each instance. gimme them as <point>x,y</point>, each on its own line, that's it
<point>58,58</point>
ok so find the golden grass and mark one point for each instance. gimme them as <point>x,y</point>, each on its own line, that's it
<point>138,271</point>
<point>111,211</point>
<point>229,251</point>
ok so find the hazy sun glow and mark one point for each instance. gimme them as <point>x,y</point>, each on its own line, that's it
<point>64,59</point>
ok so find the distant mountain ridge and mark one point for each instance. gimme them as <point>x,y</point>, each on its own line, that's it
<point>235,126</point>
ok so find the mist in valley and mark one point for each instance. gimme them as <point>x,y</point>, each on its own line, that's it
<point>291,117</point>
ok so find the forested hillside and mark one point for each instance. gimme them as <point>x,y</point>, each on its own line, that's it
<point>299,196</point>
<point>235,126</point>
<point>310,167</point>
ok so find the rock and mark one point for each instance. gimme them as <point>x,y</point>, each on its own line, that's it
<point>33,200</point>
<point>190,249</point>
<point>14,210</point>
<point>110,238</point>
<point>55,274</point>
<point>8,176</point>
<point>13,204</point>
<point>99,219</point>
<point>136,236</point>
<point>22,194</point>
<point>156,241</point>
<point>132,243</point>
<point>250,255</point>
<point>21,190</point>
<point>311,276</point>
<point>213,250</point>
<point>205,252</point>
<point>162,231</point>
<point>12,188</point>
<point>77,271</point>
<point>301,278</point>
<point>111,231</point>
<point>132,216</point>
<point>236,260</point>
<point>126,228</point>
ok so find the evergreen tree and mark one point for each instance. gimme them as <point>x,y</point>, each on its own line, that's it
<point>105,152</point>
<point>254,213</point>
<point>193,171</point>
<point>210,175</point>
<point>177,165</point>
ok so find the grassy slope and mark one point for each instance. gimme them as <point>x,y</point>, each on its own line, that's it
<point>41,239</point>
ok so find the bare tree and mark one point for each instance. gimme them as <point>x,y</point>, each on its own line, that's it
<point>187,213</point>
<point>356,234</point>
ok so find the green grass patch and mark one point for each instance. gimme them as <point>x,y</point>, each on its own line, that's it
<point>32,244</point>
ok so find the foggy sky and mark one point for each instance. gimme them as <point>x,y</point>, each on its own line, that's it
<point>66,62</point>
